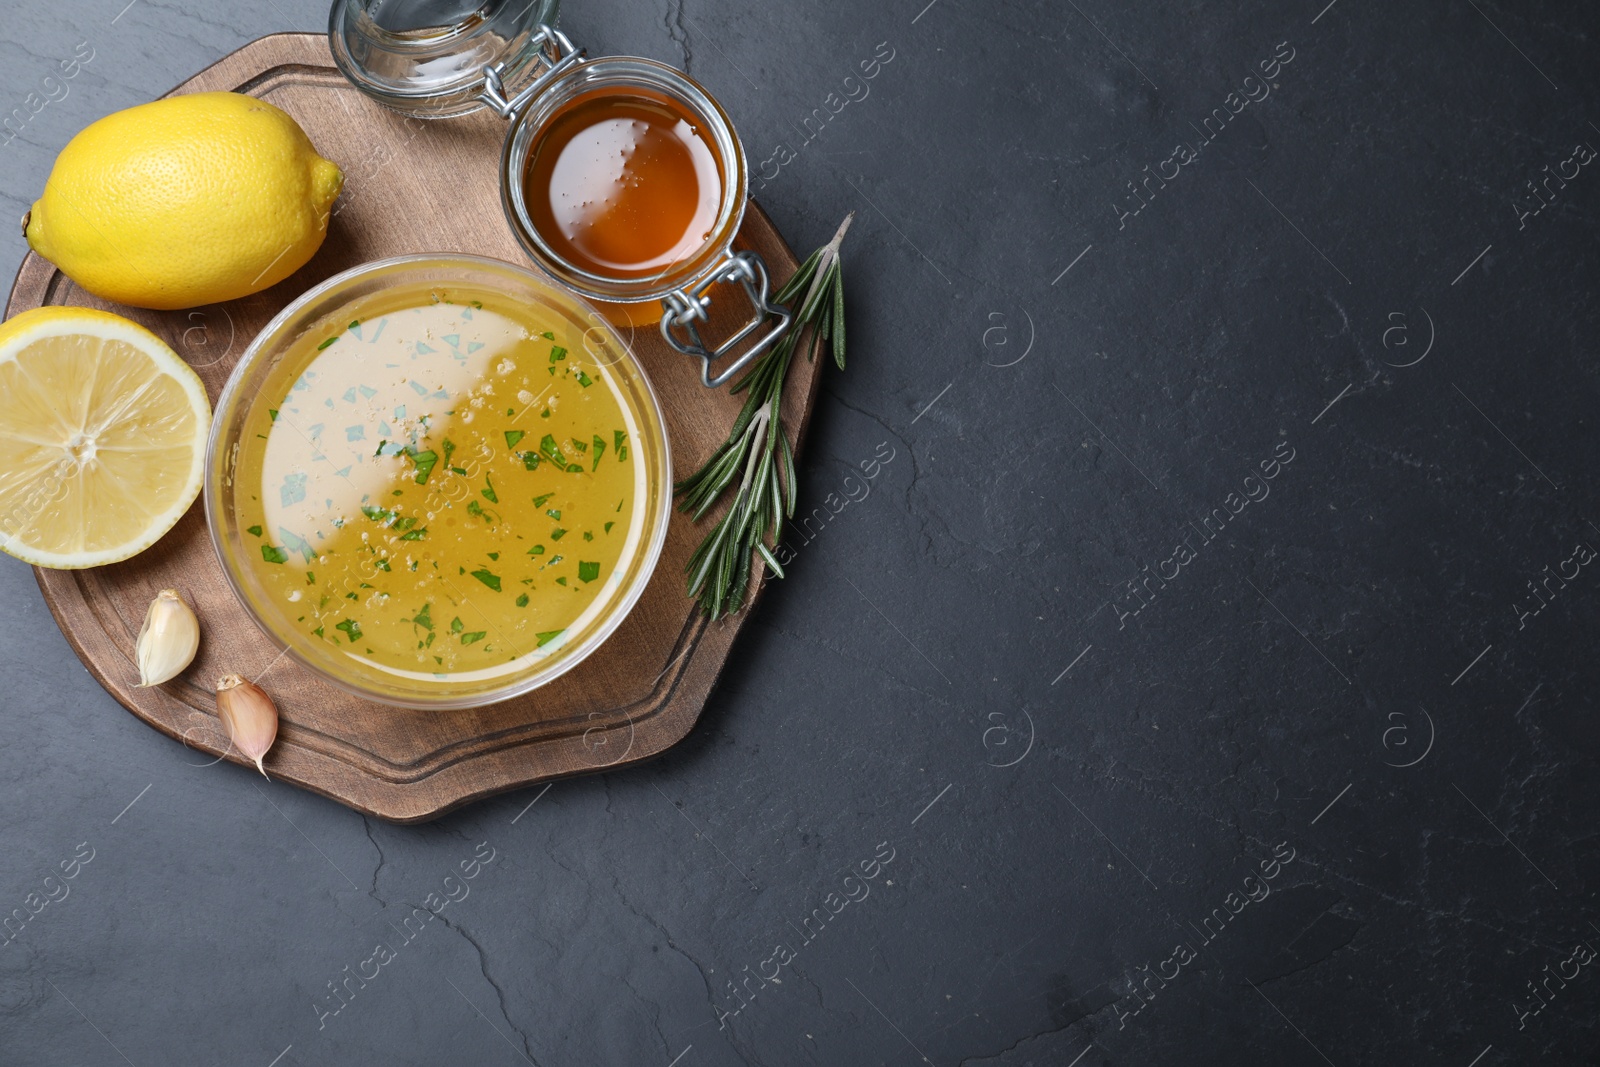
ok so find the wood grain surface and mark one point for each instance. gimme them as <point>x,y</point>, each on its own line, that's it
<point>411,186</point>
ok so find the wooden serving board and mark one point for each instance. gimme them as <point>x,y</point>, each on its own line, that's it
<point>411,186</point>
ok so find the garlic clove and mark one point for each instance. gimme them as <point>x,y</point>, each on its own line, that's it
<point>168,639</point>
<point>249,716</point>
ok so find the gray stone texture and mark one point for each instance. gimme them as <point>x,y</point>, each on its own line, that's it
<point>1129,670</point>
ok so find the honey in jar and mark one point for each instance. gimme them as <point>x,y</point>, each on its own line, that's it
<point>624,185</point>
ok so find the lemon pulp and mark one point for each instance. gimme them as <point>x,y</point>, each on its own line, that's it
<point>104,429</point>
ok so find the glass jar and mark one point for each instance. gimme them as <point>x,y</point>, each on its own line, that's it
<point>443,58</point>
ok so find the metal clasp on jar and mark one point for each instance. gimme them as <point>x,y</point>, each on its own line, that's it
<point>567,56</point>
<point>686,309</point>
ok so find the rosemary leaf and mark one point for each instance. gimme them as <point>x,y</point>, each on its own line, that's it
<point>836,320</point>
<point>776,494</point>
<point>801,279</point>
<point>791,478</point>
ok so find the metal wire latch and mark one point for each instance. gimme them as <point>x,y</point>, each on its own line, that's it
<point>567,55</point>
<point>686,309</point>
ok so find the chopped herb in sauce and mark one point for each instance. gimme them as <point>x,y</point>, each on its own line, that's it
<point>376,511</point>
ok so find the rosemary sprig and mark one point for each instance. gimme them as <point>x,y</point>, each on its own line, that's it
<point>757,454</point>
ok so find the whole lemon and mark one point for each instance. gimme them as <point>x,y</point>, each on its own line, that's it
<point>186,201</point>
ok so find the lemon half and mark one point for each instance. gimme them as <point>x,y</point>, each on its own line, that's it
<point>103,433</point>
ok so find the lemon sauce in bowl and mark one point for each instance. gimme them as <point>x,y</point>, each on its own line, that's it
<point>438,493</point>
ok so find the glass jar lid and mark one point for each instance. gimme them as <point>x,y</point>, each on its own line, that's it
<point>428,58</point>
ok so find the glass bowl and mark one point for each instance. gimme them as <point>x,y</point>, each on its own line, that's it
<point>357,510</point>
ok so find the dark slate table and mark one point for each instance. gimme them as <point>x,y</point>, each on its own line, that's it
<point>1206,676</point>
